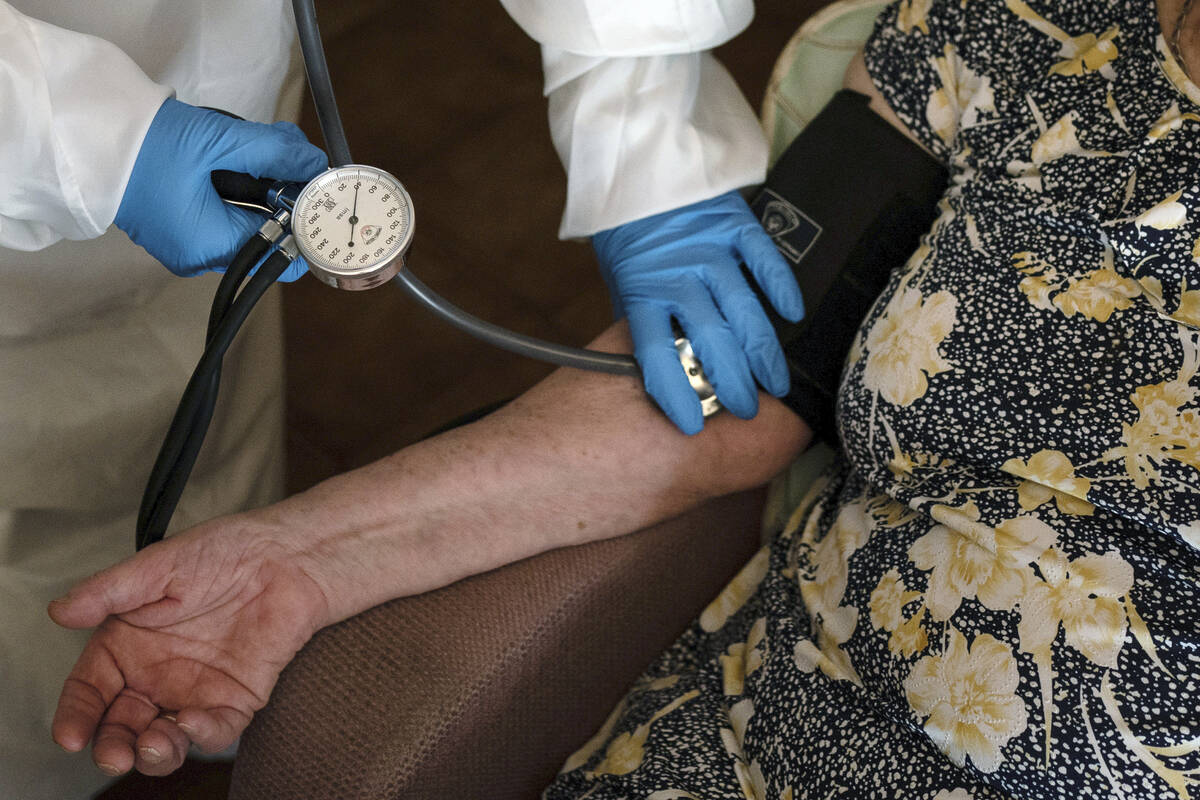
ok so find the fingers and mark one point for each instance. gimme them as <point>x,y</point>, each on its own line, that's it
<point>214,729</point>
<point>295,271</point>
<point>770,269</point>
<point>685,263</point>
<point>752,332</point>
<point>242,223</point>
<point>290,129</point>
<point>274,151</point>
<point>126,728</point>
<point>135,582</point>
<point>280,151</point>
<point>162,747</point>
<point>128,716</point>
<point>135,735</point>
<point>87,692</point>
<point>720,353</point>
<point>665,381</point>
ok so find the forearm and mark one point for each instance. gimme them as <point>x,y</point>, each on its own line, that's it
<point>581,456</point>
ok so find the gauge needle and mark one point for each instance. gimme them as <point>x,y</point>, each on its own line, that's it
<point>354,215</point>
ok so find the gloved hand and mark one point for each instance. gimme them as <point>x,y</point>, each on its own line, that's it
<point>170,207</point>
<point>685,264</point>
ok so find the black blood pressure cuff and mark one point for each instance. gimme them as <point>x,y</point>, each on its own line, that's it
<point>846,204</point>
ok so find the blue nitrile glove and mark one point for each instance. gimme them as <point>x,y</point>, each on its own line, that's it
<point>685,264</point>
<point>170,207</point>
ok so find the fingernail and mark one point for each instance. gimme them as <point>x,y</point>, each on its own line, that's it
<point>188,729</point>
<point>109,769</point>
<point>171,717</point>
<point>150,754</point>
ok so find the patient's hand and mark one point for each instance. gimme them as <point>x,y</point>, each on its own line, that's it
<point>193,633</point>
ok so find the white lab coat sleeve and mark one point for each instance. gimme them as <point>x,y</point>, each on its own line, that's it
<point>75,112</point>
<point>612,28</point>
<point>644,118</point>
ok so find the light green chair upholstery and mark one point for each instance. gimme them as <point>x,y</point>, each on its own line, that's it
<point>809,70</point>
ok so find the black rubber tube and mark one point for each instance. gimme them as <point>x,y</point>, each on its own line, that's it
<point>339,154</point>
<point>186,434</point>
<point>245,259</point>
<point>181,447</point>
<point>197,427</point>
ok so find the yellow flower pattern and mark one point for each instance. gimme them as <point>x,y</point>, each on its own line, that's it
<point>627,750</point>
<point>1095,294</point>
<point>902,347</point>
<point>744,658</point>
<point>749,773</point>
<point>736,593</point>
<point>1081,54</point>
<point>1165,431</point>
<point>1083,597</point>
<point>1165,215</point>
<point>1088,53</point>
<point>888,601</point>
<point>969,559</point>
<point>955,794</point>
<point>1187,310</point>
<point>1048,475</point>
<point>967,699</point>
<point>911,16</point>
<point>823,589</point>
<point>964,93</point>
<point>986,594</point>
<point>1172,120</point>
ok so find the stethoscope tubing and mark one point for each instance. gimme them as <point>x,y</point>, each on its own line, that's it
<point>317,70</point>
<point>185,436</point>
<point>181,446</point>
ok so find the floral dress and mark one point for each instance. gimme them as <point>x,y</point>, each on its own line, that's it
<point>995,590</point>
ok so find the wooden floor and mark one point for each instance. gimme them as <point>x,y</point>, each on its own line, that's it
<point>455,111</point>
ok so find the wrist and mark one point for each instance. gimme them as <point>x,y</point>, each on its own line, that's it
<point>141,182</point>
<point>377,533</point>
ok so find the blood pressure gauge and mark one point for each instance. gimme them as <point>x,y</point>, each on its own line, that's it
<point>353,225</point>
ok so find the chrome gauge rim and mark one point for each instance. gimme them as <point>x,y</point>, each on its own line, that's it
<point>354,225</point>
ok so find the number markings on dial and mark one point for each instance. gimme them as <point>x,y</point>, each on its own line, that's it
<point>351,219</point>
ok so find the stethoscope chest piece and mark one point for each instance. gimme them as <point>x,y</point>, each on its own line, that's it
<point>353,225</point>
<point>709,405</point>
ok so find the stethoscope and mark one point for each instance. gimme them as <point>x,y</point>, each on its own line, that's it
<point>353,224</point>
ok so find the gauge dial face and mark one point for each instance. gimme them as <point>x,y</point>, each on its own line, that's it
<point>353,225</point>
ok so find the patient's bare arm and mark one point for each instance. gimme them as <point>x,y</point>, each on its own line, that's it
<point>200,625</point>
